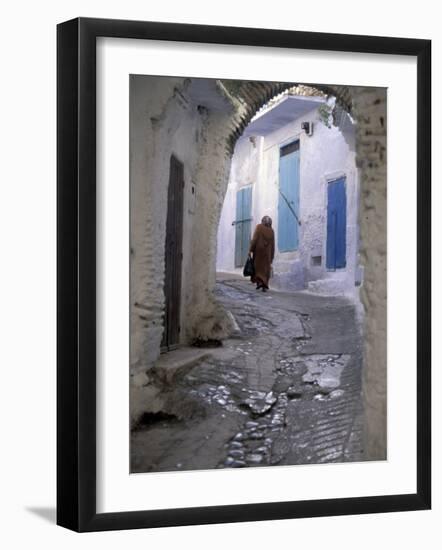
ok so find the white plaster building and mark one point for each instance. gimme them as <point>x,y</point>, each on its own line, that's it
<point>306,180</point>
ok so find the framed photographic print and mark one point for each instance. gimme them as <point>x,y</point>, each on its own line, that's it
<point>243,274</point>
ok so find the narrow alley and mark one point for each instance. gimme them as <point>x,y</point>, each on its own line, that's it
<point>284,389</point>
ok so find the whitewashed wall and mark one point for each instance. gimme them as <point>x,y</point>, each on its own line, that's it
<point>324,156</point>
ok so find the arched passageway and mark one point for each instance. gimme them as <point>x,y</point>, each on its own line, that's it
<point>289,163</point>
<point>199,123</point>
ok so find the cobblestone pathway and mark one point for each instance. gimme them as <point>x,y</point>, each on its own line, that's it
<point>284,389</point>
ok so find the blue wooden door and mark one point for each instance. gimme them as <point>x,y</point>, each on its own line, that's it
<point>336,224</point>
<point>243,224</point>
<point>288,201</point>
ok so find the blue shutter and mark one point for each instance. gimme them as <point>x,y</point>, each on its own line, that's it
<point>246,225</point>
<point>243,225</point>
<point>336,224</point>
<point>288,202</point>
<point>238,232</point>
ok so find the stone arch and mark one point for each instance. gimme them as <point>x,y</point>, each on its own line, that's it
<point>216,131</point>
<point>256,94</point>
<point>368,107</point>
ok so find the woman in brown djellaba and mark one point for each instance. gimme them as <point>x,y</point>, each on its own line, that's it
<point>262,249</point>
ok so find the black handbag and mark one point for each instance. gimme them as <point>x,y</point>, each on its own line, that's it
<point>249,268</point>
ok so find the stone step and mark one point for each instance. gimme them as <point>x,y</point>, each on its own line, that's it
<point>178,362</point>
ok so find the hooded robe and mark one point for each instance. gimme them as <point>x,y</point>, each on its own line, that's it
<point>262,247</point>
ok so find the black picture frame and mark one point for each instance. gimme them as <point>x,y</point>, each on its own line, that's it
<point>76,274</point>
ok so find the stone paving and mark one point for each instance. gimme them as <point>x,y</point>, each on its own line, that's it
<point>284,389</point>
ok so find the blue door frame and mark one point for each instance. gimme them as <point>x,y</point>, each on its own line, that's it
<point>336,224</point>
<point>288,200</point>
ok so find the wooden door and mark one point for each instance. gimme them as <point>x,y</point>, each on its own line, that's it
<point>288,201</point>
<point>336,224</point>
<point>173,256</point>
<point>243,224</point>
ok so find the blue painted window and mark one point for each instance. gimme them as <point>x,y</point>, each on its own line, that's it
<point>336,224</point>
<point>288,201</point>
<point>243,224</point>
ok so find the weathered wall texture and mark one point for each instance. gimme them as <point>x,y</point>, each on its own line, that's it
<point>161,123</point>
<point>180,117</point>
<point>200,121</point>
<point>324,156</point>
<point>370,110</point>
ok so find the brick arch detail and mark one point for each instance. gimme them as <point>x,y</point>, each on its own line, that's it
<point>256,94</point>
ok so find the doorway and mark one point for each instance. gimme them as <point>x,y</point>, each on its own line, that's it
<point>243,225</point>
<point>288,201</point>
<point>173,256</point>
<point>336,224</point>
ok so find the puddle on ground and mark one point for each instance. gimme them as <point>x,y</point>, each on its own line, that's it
<point>324,370</point>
